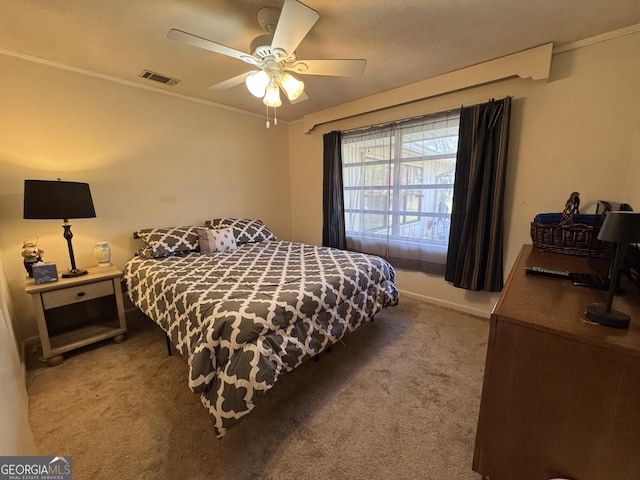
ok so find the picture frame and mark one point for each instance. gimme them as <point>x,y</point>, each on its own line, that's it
<point>45,273</point>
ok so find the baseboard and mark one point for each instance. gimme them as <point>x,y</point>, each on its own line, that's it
<point>444,303</point>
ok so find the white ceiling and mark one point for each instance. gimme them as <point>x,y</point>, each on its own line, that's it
<point>403,41</point>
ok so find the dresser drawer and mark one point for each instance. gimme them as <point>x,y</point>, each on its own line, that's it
<point>81,293</point>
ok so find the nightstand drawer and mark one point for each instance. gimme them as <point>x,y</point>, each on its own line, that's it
<point>81,293</point>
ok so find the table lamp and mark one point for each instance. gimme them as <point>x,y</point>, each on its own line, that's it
<point>55,199</point>
<point>620,228</point>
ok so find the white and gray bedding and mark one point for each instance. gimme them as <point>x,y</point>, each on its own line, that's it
<point>243,317</point>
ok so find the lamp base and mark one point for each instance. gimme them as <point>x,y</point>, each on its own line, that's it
<point>75,272</point>
<point>599,314</point>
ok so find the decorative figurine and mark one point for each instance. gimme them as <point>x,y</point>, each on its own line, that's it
<point>31,255</point>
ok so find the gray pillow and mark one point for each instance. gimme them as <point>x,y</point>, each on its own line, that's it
<point>162,242</point>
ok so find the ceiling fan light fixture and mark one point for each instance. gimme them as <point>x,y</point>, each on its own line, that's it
<point>291,85</point>
<point>273,55</point>
<point>257,83</point>
<point>272,96</point>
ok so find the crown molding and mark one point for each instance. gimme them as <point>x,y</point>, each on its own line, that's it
<point>603,37</point>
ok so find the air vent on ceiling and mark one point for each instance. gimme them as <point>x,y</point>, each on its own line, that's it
<point>156,77</point>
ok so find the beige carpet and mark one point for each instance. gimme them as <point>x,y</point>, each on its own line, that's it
<point>398,399</point>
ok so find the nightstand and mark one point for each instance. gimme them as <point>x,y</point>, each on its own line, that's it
<point>74,312</point>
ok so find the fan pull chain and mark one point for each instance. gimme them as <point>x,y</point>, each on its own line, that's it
<point>275,117</point>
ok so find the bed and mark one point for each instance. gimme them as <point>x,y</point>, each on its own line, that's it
<point>244,308</point>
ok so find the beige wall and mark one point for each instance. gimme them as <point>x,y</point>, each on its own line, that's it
<point>151,160</point>
<point>578,130</point>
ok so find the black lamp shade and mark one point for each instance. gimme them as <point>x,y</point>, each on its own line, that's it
<point>621,227</point>
<point>55,199</point>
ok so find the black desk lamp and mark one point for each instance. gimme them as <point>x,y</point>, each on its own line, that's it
<point>620,228</point>
<point>58,200</point>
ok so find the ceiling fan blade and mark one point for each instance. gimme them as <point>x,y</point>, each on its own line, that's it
<point>333,68</point>
<point>296,19</point>
<point>206,44</point>
<point>232,82</point>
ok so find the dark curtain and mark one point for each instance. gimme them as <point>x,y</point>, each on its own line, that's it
<point>333,231</point>
<point>475,253</point>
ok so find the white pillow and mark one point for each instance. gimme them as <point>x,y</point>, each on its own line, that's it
<point>216,240</point>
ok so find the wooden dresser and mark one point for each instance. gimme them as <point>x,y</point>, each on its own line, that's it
<point>561,396</point>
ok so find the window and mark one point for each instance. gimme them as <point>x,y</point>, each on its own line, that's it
<point>398,185</point>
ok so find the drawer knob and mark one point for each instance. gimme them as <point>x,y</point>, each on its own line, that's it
<point>81,294</point>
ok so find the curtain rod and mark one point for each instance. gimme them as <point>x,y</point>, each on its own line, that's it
<point>402,120</point>
<point>417,117</point>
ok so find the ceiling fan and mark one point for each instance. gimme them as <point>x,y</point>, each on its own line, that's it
<point>273,55</point>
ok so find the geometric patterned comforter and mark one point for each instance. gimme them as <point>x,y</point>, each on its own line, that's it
<point>242,318</point>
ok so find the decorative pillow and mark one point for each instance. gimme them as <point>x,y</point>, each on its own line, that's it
<point>162,242</point>
<point>216,240</point>
<point>206,246</point>
<point>244,230</point>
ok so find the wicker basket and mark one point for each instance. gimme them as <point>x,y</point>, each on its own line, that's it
<point>567,235</point>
